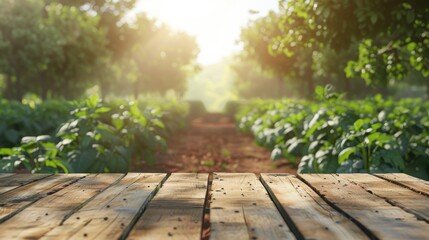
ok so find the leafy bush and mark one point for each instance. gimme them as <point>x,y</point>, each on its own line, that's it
<point>18,120</point>
<point>97,137</point>
<point>372,135</point>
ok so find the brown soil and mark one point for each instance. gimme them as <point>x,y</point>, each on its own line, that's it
<point>212,143</point>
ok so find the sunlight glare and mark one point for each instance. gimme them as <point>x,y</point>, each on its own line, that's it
<point>216,24</point>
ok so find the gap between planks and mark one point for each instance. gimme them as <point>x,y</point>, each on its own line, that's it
<point>176,211</point>
<point>380,218</point>
<point>18,199</point>
<point>308,214</point>
<point>48,212</point>
<point>112,213</point>
<point>407,181</point>
<point>240,208</point>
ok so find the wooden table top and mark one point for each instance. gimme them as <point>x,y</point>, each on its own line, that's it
<point>216,206</point>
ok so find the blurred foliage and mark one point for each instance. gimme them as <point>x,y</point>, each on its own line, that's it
<point>393,37</point>
<point>307,43</point>
<point>86,136</point>
<point>213,85</point>
<point>263,64</point>
<point>19,120</point>
<point>256,39</point>
<point>337,136</point>
<point>60,48</point>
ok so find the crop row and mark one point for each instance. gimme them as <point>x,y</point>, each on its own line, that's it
<point>85,136</point>
<point>338,136</point>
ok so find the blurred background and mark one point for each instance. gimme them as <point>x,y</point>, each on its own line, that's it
<point>213,51</point>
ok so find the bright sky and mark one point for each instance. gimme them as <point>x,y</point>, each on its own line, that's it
<point>216,24</point>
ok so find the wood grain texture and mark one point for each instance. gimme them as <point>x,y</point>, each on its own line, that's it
<point>240,208</point>
<point>176,211</point>
<point>382,219</point>
<point>402,197</point>
<point>47,213</point>
<point>110,213</point>
<point>13,181</point>
<point>19,198</point>
<point>312,216</point>
<point>405,180</point>
<point>3,175</point>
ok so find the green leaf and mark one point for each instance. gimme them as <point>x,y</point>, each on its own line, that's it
<point>344,154</point>
<point>118,123</point>
<point>42,138</point>
<point>276,154</point>
<point>358,124</point>
<point>8,151</point>
<point>92,101</point>
<point>102,110</point>
<point>28,139</point>
<point>372,137</point>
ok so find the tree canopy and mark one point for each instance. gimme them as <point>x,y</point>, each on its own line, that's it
<point>311,42</point>
<point>60,48</point>
<point>393,35</point>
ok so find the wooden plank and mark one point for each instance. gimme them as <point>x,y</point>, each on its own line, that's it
<point>416,184</point>
<point>2,175</point>
<point>17,180</point>
<point>109,214</point>
<point>17,199</point>
<point>176,210</point>
<point>49,212</point>
<point>312,216</point>
<point>240,208</point>
<point>381,219</point>
<point>406,199</point>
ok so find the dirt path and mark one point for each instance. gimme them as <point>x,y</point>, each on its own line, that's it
<point>212,144</point>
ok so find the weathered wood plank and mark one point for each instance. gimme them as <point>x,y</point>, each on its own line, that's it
<point>17,199</point>
<point>17,180</point>
<point>2,175</point>
<point>176,210</point>
<point>110,213</point>
<point>47,213</point>
<point>383,220</point>
<point>403,179</point>
<point>240,208</point>
<point>406,199</point>
<point>311,215</point>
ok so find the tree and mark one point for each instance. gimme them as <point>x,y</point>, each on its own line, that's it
<point>24,44</point>
<point>259,45</point>
<point>50,50</point>
<point>251,81</point>
<point>164,59</point>
<point>119,34</point>
<point>80,49</point>
<point>60,48</point>
<point>393,35</point>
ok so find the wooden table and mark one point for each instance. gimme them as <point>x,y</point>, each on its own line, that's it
<point>216,206</point>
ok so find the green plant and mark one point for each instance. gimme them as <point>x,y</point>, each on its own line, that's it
<point>98,137</point>
<point>334,135</point>
<point>36,154</point>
